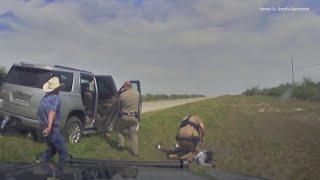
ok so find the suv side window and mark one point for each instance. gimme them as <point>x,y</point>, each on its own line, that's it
<point>87,84</point>
<point>105,87</point>
<point>66,78</point>
<point>88,94</point>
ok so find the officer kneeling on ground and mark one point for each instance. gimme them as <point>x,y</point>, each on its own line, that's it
<point>189,136</point>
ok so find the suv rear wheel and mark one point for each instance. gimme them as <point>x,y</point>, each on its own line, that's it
<point>73,130</point>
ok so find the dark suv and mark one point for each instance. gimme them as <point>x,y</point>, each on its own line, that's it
<point>89,103</point>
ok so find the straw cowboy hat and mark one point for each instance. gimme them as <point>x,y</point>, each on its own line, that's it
<point>52,84</point>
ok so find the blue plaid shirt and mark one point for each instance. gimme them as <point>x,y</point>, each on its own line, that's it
<point>49,102</point>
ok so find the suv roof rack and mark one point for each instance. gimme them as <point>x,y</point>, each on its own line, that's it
<point>69,68</point>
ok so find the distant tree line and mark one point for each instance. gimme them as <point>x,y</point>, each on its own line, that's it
<point>151,97</point>
<point>305,90</point>
<point>3,73</point>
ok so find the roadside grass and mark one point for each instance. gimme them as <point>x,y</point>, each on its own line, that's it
<point>256,135</point>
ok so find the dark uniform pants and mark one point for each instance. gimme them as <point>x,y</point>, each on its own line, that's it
<point>189,148</point>
<point>55,143</point>
<point>130,123</point>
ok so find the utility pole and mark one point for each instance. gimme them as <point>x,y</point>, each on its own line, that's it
<point>259,82</point>
<point>246,82</point>
<point>292,70</point>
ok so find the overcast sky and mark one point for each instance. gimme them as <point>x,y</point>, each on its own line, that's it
<point>173,46</point>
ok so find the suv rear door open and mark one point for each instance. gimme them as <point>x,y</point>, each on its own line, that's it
<point>107,106</point>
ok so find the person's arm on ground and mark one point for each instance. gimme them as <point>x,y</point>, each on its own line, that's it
<point>168,151</point>
<point>207,165</point>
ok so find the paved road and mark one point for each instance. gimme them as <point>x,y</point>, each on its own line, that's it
<point>162,104</point>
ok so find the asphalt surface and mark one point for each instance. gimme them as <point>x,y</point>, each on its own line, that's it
<point>163,104</point>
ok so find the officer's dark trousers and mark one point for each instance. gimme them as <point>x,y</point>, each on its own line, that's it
<point>55,143</point>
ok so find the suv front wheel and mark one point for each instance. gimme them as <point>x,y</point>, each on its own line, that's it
<point>73,130</point>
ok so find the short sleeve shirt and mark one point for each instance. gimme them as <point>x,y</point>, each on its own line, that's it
<point>129,101</point>
<point>188,131</point>
<point>47,103</point>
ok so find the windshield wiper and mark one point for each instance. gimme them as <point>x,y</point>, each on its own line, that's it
<point>164,164</point>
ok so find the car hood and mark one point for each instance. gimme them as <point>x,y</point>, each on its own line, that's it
<point>22,170</point>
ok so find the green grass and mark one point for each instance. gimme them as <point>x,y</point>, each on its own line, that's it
<point>260,136</point>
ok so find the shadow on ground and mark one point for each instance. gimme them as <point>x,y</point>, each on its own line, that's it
<point>112,143</point>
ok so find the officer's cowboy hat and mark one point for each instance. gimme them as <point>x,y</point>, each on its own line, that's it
<point>52,84</point>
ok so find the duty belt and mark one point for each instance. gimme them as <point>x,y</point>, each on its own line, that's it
<point>194,139</point>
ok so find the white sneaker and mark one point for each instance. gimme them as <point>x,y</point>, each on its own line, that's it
<point>158,146</point>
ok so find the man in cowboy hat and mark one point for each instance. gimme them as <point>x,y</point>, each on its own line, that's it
<point>49,117</point>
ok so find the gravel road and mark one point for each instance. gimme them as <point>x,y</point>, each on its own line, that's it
<point>162,104</point>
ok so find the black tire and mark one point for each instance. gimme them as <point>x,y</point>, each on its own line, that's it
<point>73,130</point>
<point>36,135</point>
<point>30,135</point>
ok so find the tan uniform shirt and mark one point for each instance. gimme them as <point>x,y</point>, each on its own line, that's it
<point>129,101</point>
<point>188,130</point>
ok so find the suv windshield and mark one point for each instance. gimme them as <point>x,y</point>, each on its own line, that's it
<point>35,78</point>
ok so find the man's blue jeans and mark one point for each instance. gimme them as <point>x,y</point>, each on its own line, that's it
<point>55,143</point>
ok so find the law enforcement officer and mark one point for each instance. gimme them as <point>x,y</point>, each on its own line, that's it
<point>191,132</point>
<point>129,103</point>
<point>49,117</point>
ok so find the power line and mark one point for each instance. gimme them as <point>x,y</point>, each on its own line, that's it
<point>308,66</point>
